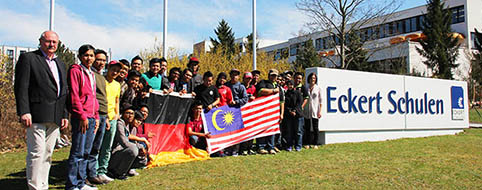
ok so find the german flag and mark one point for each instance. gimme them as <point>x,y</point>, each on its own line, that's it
<point>168,115</point>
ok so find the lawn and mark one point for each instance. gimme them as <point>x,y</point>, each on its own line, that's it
<point>474,116</point>
<point>442,162</point>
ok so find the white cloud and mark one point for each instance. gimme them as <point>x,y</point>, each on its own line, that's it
<point>137,23</point>
<point>125,41</point>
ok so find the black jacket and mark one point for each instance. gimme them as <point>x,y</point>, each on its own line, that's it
<point>293,101</point>
<point>36,90</point>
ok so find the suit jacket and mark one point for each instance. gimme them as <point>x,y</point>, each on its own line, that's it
<point>36,89</point>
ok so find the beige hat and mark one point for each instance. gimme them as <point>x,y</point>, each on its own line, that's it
<point>273,72</point>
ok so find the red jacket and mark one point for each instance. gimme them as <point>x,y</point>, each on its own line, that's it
<point>225,94</point>
<point>251,90</point>
<point>83,101</point>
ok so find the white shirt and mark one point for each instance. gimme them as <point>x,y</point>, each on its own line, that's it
<point>91,76</point>
<point>53,69</point>
<point>314,101</point>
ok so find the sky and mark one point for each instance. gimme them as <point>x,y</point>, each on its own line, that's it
<point>129,26</point>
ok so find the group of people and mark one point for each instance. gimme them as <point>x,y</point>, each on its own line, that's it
<point>107,104</point>
<point>300,107</point>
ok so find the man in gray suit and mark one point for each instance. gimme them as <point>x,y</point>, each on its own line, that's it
<point>40,93</point>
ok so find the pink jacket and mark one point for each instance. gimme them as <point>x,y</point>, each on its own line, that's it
<point>83,101</point>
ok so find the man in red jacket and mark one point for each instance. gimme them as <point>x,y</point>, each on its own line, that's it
<point>84,118</point>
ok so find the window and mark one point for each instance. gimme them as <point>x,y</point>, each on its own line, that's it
<point>408,26</point>
<point>473,40</point>
<point>386,30</point>
<point>22,51</point>
<point>10,53</point>
<point>337,40</point>
<point>413,24</point>
<point>318,44</point>
<point>400,27</point>
<point>363,34</point>
<point>458,14</point>
<point>277,55</point>
<point>370,34</point>
<point>461,16</point>
<point>294,49</point>
<point>421,20</point>
<point>327,42</point>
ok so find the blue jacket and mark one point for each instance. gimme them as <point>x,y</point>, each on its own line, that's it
<point>240,96</point>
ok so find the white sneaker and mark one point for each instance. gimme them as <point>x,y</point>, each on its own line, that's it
<point>132,172</point>
<point>86,187</point>
<point>105,178</point>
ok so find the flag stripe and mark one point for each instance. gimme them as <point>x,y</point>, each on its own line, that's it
<point>244,136</point>
<point>245,130</point>
<point>271,131</point>
<point>248,121</point>
<point>259,108</point>
<point>260,101</point>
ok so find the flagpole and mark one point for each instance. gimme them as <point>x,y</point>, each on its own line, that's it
<point>254,34</point>
<point>164,33</point>
<point>52,6</point>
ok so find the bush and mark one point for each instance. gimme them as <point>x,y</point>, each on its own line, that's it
<point>11,131</point>
<point>216,62</point>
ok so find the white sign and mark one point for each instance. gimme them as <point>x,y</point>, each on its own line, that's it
<point>360,101</point>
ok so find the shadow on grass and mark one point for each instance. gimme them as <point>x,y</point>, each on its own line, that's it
<point>58,175</point>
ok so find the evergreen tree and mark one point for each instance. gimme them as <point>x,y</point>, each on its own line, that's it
<point>225,39</point>
<point>439,47</point>
<point>307,57</point>
<point>64,54</point>
<point>249,45</point>
<point>357,56</point>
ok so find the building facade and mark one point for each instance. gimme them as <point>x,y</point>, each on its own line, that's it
<point>13,53</point>
<point>393,43</point>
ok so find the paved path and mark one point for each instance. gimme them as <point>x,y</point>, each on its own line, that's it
<point>475,125</point>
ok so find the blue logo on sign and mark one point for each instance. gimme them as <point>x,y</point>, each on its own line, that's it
<point>457,93</point>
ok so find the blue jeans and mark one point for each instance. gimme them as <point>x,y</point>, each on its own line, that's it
<point>266,143</point>
<point>299,133</point>
<point>94,153</point>
<point>79,152</point>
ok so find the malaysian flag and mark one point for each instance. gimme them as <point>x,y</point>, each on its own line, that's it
<point>231,125</point>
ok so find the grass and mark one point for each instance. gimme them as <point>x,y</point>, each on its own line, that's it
<point>442,162</point>
<point>474,116</point>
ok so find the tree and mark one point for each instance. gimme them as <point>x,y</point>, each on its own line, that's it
<point>216,61</point>
<point>225,39</point>
<point>476,63</point>
<point>307,57</point>
<point>64,54</point>
<point>440,49</point>
<point>342,17</point>
<point>249,45</point>
<point>357,58</point>
<point>475,75</point>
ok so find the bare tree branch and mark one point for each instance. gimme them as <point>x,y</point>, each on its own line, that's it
<point>341,17</point>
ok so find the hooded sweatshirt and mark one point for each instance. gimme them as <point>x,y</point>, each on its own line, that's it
<point>83,101</point>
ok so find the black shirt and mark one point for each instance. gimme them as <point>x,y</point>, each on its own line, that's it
<point>265,84</point>
<point>293,101</point>
<point>303,90</point>
<point>207,95</point>
<point>270,85</point>
<point>181,85</point>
